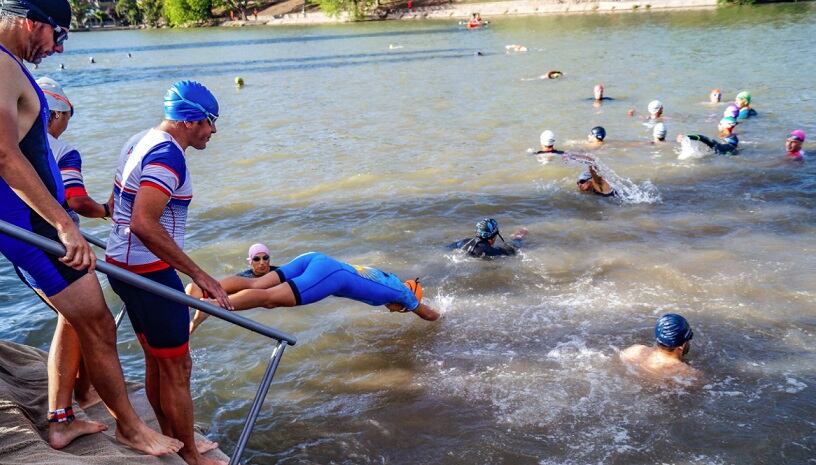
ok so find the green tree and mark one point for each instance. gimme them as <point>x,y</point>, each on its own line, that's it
<point>356,8</point>
<point>129,10</point>
<point>80,9</point>
<point>179,12</point>
<point>151,11</point>
<point>240,6</point>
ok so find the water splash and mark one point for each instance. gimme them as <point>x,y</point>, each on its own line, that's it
<point>628,191</point>
<point>691,151</point>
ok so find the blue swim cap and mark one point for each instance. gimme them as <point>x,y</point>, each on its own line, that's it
<point>672,330</point>
<point>190,101</point>
<point>487,228</point>
<point>598,132</point>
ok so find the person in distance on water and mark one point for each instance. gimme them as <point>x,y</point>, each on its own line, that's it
<point>483,244</point>
<point>312,277</point>
<point>665,360</point>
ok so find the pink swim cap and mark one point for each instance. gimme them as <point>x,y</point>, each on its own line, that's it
<point>799,134</point>
<point>256,249</point>
<point>731,110</point>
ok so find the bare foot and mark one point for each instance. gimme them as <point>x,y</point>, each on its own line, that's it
<point>87,399</point>
<point>205,445</point>
<point>199,459</point>
<point>145,440</point>
<point>61,434</point>
<point>198,318</point>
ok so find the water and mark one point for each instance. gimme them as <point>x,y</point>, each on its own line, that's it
<point>382,156</point>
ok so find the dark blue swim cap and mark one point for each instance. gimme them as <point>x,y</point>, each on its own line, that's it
<point>672,330</point>
<point>487,228</point>
<point>54,12</point>
<point>598,132</point>
<point>190,101</point>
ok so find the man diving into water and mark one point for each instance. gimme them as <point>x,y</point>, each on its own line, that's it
<point>312,277</point>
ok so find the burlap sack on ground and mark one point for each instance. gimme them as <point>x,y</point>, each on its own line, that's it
<point>23,408</point>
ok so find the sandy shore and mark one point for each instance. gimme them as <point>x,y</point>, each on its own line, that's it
<point>489,10</point>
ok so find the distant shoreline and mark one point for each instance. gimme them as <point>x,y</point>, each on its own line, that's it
<point>488,10</point>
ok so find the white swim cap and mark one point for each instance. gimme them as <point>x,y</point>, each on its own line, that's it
<point>54,95</point>
<point>547,138</point>
<point>655,106</point>
<point>659,131</point>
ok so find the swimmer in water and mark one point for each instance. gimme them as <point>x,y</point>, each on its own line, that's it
<point>483,244</point>
<point>743,101</point>
<point>655,110</point>
<point>547,141</point>
<point>590,181</point>
<point>731,111</point>
<point>715,96</point>
<point>596,137</point>
<point>665,360</point>
<point>659,133</point>
<point>259,265</point>
<point>598,95</point>
<point>729,142</point>
<point>793,144</point>
<point>312,277</point>
<point>515,48</point>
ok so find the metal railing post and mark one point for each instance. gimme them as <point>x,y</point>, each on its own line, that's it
<point>260,396</point>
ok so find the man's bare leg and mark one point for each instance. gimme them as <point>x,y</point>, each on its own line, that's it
<point>177,406</point>
<point>84,393</point>
<point>153,391</point>
<point>83,306</point>
<point>64,359</point>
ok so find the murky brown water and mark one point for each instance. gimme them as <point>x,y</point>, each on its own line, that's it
<point>381,156</point>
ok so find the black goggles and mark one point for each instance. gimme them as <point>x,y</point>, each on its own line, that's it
<point>60,33</point>
<point>258,258</point>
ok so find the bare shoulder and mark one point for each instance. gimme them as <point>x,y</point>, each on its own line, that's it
<point>634,353</point>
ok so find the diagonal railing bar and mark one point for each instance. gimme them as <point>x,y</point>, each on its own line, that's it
<point>57,249</point>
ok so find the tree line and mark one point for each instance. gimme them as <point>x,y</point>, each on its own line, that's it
<point>152,13</point>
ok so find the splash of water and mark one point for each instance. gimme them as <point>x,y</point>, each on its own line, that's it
<point>691,151</point>
<point>628,191</point>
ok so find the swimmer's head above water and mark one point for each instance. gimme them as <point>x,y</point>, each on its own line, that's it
<point>597,135</point>
<point>726,125</point>
<point>488,229</point>
<point>715,96</point>
<point>655,109</point>
<point>547,140</point>
<point>793,144</point>
<point>743,99</point>
<point>598,91</point>
<point>732,110</point>
<point>659,132</point>
<point>673,332</point>
<point>258,259</point>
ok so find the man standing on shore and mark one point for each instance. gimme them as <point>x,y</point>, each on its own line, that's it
<point>31,191</point>
<point>151,194</point>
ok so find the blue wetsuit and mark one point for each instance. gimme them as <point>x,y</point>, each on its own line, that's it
<point>746,113</point>
<point>36,268</point>
<point>314,276</point>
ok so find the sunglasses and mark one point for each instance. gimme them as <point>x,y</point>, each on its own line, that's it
<point>60,33</point>
<point>258,258</point>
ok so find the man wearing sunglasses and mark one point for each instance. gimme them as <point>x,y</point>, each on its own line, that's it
<point>31,194</point>
<point>152,191</point>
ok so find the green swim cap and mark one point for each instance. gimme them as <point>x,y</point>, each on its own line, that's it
<point>745,95</point>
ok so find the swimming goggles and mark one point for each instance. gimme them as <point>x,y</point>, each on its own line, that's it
<point>258,258</point>
<point>60,33</point>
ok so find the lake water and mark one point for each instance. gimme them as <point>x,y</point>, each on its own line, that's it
<point>380,143</point>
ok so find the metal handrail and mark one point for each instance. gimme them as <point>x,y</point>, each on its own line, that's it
<point>57,249</point>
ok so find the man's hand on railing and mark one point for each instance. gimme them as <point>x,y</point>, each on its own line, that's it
<point>212,289</point>
<point>78,253</point>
